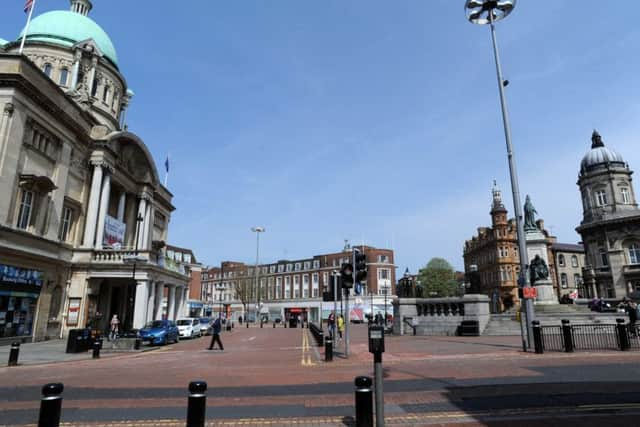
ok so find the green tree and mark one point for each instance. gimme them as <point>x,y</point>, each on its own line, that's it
<point>437,279</point>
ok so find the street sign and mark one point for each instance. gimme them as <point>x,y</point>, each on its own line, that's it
<point>530,292</point>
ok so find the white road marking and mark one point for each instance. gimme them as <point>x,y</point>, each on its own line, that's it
<point>251,338</point>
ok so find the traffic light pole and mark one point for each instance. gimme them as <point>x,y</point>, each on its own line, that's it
<point>346,322</point>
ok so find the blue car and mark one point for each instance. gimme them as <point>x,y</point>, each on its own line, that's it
<point>159,332</point>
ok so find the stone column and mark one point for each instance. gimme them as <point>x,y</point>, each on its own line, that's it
<point>179,297</point>
<point>92,209</point>
<point>171,303</point>
<point>121,205</point>
<point>4,125</point>
<point>140,310</point>
<point>157,315</point>
<point>142,207</point>
<point>104,205</point>
<point>151,304</point>
<point>77,57</point>
<point>147,227</point>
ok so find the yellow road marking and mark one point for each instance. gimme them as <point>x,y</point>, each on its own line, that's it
<point>306,350</point>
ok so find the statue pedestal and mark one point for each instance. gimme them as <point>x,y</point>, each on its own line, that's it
<point>546,294</point>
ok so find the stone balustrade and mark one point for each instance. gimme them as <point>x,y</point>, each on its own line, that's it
<point>438,316</point>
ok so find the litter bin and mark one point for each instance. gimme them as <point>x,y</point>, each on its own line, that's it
<point>79,340</point>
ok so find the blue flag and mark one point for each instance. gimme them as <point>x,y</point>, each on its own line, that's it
<point>166,164</point>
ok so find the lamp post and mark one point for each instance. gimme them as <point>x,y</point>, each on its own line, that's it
<point>257,230</point>
<point>484,12</point>
<point>128,324</point>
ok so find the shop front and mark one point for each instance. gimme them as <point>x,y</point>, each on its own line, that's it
<point>19,292</point>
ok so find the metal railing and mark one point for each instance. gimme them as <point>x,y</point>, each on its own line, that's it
<point>568,337</point>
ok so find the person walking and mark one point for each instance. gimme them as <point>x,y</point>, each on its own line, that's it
<point>115,327</point>
<point>331,324</point>
<point>632,310</point>
<point>340,327</point>
<point>215,336</point>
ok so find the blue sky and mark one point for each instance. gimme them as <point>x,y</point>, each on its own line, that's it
<point>370,120</point>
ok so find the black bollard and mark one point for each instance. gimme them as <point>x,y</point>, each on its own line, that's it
<point>96,349</point>
<point>261,323</point>
<point>51,405</point>
<point>197,404</point>
<point>137,344</point>
<point>567,336</point>
<point>328,350</point>
<point>247,323</point>
<point>364,402</point>
<point>537,337</point>
<point>623,335</point>
<point>274,324</point>
<point>14,353</point>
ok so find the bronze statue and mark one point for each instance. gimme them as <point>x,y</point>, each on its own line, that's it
<point>529,215</point>
<point>538,270</point>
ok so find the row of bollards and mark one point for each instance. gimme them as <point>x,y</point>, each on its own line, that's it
<point>51,403</point>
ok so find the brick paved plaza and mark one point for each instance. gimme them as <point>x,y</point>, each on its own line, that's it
<point>277,377</point>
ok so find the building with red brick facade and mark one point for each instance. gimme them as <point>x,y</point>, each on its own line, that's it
<point>493,253</point>
<point>292,287</point>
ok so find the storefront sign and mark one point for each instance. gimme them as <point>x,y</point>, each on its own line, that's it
<point>113,232</point>
<point>74,311</point>
<point>20,276</point>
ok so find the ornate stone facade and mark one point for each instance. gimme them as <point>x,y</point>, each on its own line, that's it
<point>610,226</point>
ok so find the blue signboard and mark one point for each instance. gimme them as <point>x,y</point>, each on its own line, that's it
<point>20,276</point>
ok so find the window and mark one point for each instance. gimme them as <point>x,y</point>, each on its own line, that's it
<point>564,282</point>
<point>626,198</point>
<point>604,259</point>
<point>26,208</point>
<point>315,279</point>
<point>316,263</point>
<point>298,266</point>
<point>272,269</point>
<point>67,222</point>
<point>634,253</point>
<point>307,265</point>
<point>94,87</point>
<point>384,274</point>
<point>574,261</point>
<point>105,94</point>
<point>47,69</point>
<point>64,76</point>
<point>383,258</point>
<point>577,280</point>
<point>561,260</point>
<point>601,198</point>
<point>289,267</point>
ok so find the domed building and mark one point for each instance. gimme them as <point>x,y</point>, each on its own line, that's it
<point>610,226</point>
<point>83,217</point>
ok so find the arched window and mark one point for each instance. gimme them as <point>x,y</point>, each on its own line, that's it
<point>574,261</point>
<point>64,76</point>
<point>48,68</point>
<point>105,94</point>
<point>561,260</point>
<point>563,281</point>
<point>634,253</point>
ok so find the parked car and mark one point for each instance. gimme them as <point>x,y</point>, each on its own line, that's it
<point>204,325</point>
<point>189,327</point>
<point>159,332</point>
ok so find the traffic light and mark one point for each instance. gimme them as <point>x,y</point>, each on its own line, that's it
<point>361,267</point>
<point>346,275</point>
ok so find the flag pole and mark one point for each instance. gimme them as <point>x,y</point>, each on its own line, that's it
<point>26,28</point>
<point>166,173</point>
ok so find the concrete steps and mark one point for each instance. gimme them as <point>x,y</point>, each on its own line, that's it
<point>506,324</point>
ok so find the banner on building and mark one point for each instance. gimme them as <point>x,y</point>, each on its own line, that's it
<point>20,276</point>
<point>113,232</point>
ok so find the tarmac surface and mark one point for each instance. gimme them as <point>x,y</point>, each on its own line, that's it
<point>268,376</point>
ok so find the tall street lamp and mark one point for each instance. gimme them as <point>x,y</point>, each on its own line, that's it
<point>128,259</point>
<point>484,12</point>
<point>257,230</point>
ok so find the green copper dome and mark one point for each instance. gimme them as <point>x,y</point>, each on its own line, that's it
<point>65,28</point>
<point>3,42</point>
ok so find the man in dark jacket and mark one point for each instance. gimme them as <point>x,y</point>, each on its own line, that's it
<point>215,336</point>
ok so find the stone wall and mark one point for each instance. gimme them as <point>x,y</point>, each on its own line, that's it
<point>438,316</point>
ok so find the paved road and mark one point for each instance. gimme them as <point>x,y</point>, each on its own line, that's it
<point>277,377</point>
